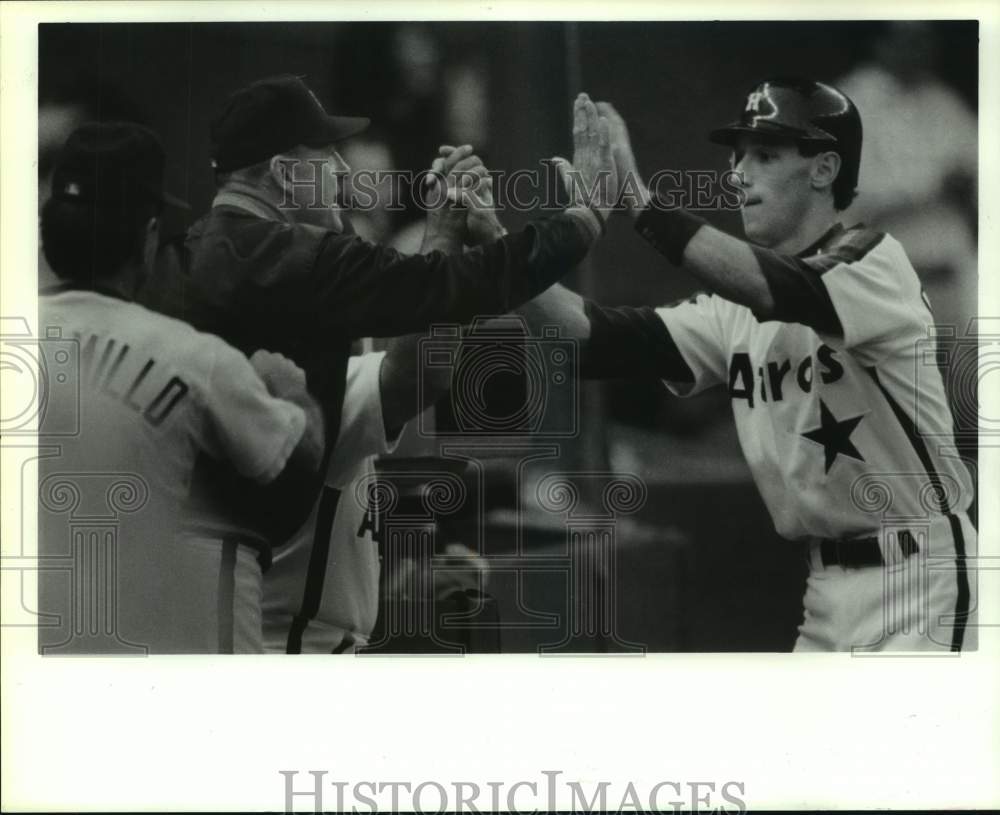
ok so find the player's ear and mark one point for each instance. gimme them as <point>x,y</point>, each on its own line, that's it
<point>825,167</point>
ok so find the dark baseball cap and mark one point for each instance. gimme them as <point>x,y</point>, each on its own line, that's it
<point>112,165</point>
<point>271,116</point>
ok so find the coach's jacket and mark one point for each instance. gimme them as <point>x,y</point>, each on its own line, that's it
<point>249,275</point>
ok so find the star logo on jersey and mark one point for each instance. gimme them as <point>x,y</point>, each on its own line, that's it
<point>834,435</point>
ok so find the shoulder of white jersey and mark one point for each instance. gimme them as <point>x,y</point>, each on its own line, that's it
<point>702,298</point>
<point>182,332</point>
<point>185,345</point>
<point>82,300</point>
<point>706,302</point>
<point>690,299</point>
<point>849,246</point>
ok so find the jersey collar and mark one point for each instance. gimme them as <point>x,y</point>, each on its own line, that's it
<point>249,199</point>
<point>827,237</point>
<point>68,285</point>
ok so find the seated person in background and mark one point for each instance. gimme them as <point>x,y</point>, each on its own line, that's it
<point>154,396</point>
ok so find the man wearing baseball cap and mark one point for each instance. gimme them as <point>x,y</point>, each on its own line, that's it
<point>137,399</point>
<point>271,266</point>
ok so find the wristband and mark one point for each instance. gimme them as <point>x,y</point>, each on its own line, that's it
<point>669,231</point>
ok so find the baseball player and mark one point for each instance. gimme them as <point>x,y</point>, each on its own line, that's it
<point>118,571</point>
<point>818,332</point>
<point>322,590</point>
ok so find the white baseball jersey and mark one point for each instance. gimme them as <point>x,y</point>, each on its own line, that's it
<point>150,395</point>
<point>821,419</point>
<point>321,592</point>
<point>848,437</point>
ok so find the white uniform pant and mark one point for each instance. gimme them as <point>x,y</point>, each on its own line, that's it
<point>924,602</point>
<point>197,596</point>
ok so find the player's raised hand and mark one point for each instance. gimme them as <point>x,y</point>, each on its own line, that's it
<point>457,169</point>
<point>592,178</point>
<point>633,194</point>
<point>282,377</point>
<point>445,229</point>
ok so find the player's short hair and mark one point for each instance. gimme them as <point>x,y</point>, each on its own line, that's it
<point>844,191</point>
<point>84,243</point>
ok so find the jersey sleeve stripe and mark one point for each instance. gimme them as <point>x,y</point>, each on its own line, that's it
<point>851,248</point>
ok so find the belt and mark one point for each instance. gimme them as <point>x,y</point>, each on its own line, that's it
<point>856,553</point>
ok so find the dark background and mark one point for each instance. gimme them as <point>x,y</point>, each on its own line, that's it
<point>736,586</point>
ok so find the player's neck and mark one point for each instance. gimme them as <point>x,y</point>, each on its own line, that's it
<point>815,223</point>
<point>123,284</point>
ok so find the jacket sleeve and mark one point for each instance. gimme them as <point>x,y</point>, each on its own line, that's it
<point>364,290</point>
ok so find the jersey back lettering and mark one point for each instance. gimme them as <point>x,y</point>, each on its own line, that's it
<point>151,396</point>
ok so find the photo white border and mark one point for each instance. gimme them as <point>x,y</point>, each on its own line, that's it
<point>212,733</point>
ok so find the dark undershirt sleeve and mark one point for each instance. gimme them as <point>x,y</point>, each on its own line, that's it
<point>798,292</point>
<point>630,343</point>
<point>364,290</point>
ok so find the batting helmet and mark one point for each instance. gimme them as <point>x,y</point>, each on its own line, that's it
<point>810,113</point>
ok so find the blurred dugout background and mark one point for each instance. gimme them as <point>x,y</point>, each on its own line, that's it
<point>700,567</point>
